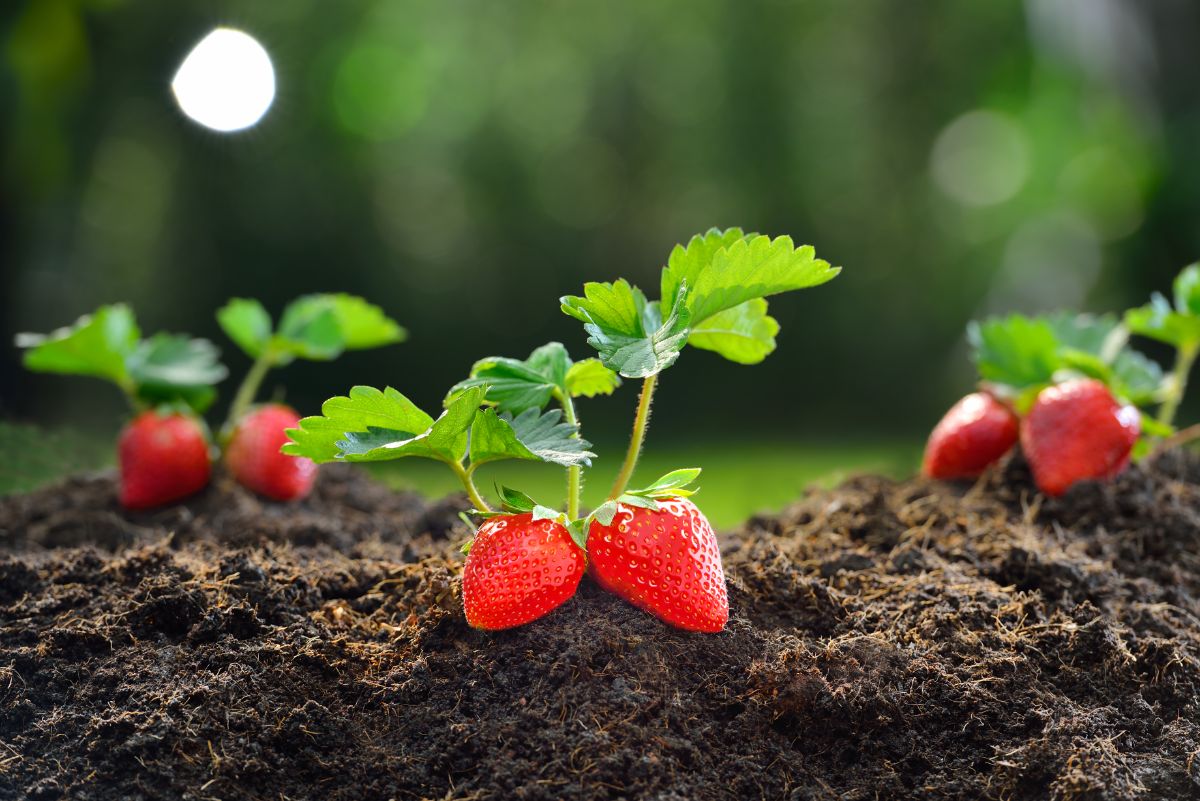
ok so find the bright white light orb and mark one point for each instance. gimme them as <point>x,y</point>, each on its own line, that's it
<point>227,82</point>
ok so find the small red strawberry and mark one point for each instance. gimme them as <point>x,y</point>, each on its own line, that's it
<point>1077,430</point>
<point>163,458</point>
<point>666,562</point>
<point>254,459</point>
<point>976,432</point>
<point>519,569</point>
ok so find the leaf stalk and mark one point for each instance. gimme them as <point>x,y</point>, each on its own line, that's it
<point>465,476</point>
<point>1185,357</point>
<point>574,472</point>
<point>247,392</point>
<point>641,422</point>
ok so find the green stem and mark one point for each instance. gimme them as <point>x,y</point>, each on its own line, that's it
<point>1184,358</point>
<point>129,390</point>
<point>640,422</point>
<point>464,475</point>
<point>574,472</point>
<point>247,391</point>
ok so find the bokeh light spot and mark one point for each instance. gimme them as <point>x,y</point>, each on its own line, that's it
<point>981,158</point>
<point>1050,262</point>
<point>227,82</point>
<point>1104,187</point>
<point>380,93</point>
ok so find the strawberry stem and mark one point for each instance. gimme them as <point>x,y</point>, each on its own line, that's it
<point>246,392</point>
<point>129,390</point>
<point>640,422</point>
<point>464,475</point>
<point>1184,358</point>
<point>574,472</point>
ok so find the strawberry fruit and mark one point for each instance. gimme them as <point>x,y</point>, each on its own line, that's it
<point>254,458</point>
<point>666,562</point>
<point>163,458</point>
<point>1075,431</point>
<point>519,569</point>
<point>976,432</point>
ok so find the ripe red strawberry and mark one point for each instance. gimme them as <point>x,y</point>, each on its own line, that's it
<point>976,432</point>
<point>254,459</point>
<point>519,569</point>
<point>163,458</point>
<point>666,562</point>
<point>1077,430</point>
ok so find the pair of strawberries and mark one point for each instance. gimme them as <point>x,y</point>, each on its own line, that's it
<point>165,457</point>
<point>1075,431</point>
<point>665,561</point>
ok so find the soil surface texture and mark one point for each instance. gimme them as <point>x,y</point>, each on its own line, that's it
<point>887,640</point>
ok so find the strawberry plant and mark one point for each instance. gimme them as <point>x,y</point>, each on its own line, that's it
<point>651,546</point>
<point>1070,389</point>
<point>168,380</point>
<point>315,327</point>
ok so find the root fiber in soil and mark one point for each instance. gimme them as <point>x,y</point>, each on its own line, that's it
<point>887,640</point>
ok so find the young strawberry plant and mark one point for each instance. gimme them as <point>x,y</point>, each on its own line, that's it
<point>315,327</point>
<point>1067,386</point>
<point>651,546</point>
<point>168,379</point>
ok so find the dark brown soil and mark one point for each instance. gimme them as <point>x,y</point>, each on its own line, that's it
<point>887,640</point>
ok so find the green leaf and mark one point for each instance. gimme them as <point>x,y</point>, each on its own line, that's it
<point>1187,291</point>
<point>744,334</point>
<point>546,513</point>
<point>1024,354</point>
<point>686,263</point>
<point>309,330</point>
<point>169,367</point>
<point>672,485</point>
<point>751,268</point>
<point>515,501</point>
<point>531,436</point>
<point>1158,320</point>
<point>676,479</point>
<point>515,385</point>
<point>1087,364</point>
<point>1095,334</point>
<point>627,330</point>
<point>551,439</point>
<point>1151,427</point>
<point>644,501</point>
<point>1015,351</point>
<point>1136,378</point>
<point>604,513</point>
<point>247,323</point>
<point>98,345</point>
<point>590,378</point>
<point>445,440</point>
<point>362,324</point>
<point>578,529</point>
<point>365,408</point>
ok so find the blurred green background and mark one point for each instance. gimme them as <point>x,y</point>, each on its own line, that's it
<point>463,164</point>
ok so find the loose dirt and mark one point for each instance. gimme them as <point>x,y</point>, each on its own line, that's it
<point>887,640</point>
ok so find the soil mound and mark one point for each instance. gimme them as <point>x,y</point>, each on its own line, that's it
<point>887,640</point>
